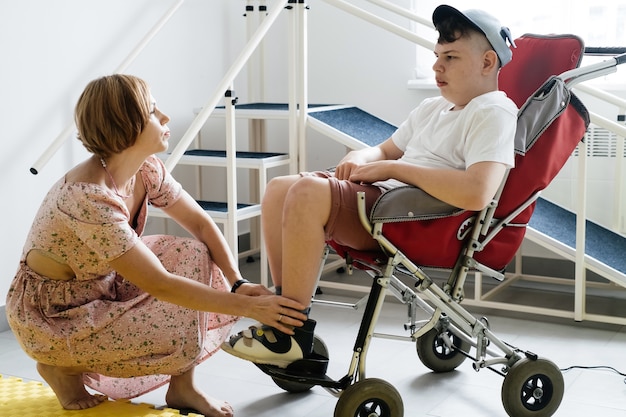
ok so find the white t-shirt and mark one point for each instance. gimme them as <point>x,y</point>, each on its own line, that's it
<point>435,136</point>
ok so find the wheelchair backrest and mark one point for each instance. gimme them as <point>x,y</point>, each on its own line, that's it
<point>550,129</point>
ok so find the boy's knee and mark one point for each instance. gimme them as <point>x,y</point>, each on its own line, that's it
<point>310,190</point>
<point>281,185</point>
<point>276,189</point>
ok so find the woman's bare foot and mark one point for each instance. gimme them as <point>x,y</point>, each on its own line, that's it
<point>68,386</point>
<point>182,394</point>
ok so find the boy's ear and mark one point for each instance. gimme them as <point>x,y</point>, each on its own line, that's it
<point>490,61</point>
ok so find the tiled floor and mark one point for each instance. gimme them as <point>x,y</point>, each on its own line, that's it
<point>463,392</point>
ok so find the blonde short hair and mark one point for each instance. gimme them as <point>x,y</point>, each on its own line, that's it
<point>111,113</point>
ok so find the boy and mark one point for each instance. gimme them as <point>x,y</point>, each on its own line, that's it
<point>456,147</point>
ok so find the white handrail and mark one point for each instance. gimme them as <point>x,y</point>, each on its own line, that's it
<point>610,125</point>
<point>391,27</point>
<point>228,79</point>
<point>62,137</point>
<point>602,95</point>
<point>403,12</point>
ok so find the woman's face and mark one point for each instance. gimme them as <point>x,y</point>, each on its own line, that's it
<point>155,136</point>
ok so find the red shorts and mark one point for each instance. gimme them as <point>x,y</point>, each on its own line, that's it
<point>344,226</point>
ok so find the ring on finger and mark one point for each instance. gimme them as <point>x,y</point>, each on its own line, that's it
<point>280,317</point>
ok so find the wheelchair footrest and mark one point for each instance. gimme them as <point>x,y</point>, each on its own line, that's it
<point>311,370</point>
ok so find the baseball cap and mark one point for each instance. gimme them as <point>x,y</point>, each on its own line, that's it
<point>496,34</point>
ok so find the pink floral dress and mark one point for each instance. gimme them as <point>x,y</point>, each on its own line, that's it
<point>129,340</point>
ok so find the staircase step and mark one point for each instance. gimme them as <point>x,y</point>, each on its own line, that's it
<point>264,110</point>
<point>601,244</point>
<point>357,127</point>
<point>252,160</point>
<point>218,210</point>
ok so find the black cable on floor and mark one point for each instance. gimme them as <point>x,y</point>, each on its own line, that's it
<point>609,368</point>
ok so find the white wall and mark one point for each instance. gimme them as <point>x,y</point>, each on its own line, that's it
<point>51,49</point>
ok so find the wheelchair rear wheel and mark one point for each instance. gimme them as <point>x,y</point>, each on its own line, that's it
<point>436,354</point>
<point>532,388</point>
<point>320,348</point>
<point>370,397</point>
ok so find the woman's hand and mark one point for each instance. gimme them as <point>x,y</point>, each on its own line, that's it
<point>253,290</point>
<point>279,312</point>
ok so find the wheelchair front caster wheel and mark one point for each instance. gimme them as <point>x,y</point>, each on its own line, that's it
<point>370,397</point>
<point>436,354</point>
<point>532,388</point>
<point>320,349</point>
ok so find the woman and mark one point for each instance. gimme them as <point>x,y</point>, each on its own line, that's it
<point>93,302</point>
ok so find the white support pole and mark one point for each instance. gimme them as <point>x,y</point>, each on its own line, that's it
<point>62,137</point>
<point>303,91</point>
<point>256,85</point>
<point>619,219</point>
<point>257,141</point>
<point>292,80</point>
<point>261,61</point>
<point>580,276</point>
<point>263,260</point>
<point>228,79</point>
<point>253,63</point>
<point>230,231</point>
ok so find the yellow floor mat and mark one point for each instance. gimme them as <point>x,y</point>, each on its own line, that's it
<point>20,398</point>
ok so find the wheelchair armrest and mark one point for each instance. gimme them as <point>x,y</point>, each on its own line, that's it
<point>408,203</point>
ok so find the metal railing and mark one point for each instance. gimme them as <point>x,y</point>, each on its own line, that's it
<point>64,135</point>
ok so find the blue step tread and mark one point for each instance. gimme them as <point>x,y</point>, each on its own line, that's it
<point>357,123</point>
<point>600,243</point>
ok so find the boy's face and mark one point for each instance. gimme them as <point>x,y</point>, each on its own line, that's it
<point>461,68</point>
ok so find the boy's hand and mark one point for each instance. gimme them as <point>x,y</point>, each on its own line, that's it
<point>347,165</point>
<point>372,172</point>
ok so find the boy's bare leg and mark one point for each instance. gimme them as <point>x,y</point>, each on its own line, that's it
<point>183,394</point>
<point>68,386</point>
<point>272,222</point>
<point>305,213</point>
<point>299,210</point>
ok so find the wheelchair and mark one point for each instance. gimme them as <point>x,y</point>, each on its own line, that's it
<point>416,232</point>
